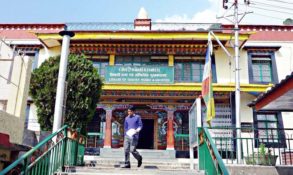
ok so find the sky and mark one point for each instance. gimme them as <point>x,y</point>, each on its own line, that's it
<point>197,11</point>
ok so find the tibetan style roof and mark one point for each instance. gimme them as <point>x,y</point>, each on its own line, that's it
<point>278,98</point>
<point>27,31</point>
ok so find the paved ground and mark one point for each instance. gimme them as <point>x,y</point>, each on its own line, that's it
<point>107,166</point>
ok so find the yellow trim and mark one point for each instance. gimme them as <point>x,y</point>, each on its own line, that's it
<point>170,60</point>
<point>141,36</point>
<point>112,60</point>
<point>187,87</point>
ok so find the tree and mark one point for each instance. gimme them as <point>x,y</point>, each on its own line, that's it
<point>84,87</point>
<point>288,21</point>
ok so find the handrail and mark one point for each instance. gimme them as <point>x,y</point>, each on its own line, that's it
<point>182,135</point>
<point>94,134</point>
<point>208,153</point>
<point>47,157</point>
<point>30,152</point>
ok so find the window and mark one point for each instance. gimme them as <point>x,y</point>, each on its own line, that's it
<point>3,105</point>
<point>139,61</point>
<point>27,113</point>
<point>100,66</point>
<point>262,67</point>
<point>269,129</point>
<point>181,130</point>
<point>189,71</point>
<point>35,60</point>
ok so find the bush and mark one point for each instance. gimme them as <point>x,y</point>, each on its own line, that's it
<point>84,87</point>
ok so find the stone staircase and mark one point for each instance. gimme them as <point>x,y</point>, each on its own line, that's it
<point>96,165</point>
<point>146,153</point>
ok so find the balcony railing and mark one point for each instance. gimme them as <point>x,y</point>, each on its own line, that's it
<point>258,146</point>
<point>155,26</point>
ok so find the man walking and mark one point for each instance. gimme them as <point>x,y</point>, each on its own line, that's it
<point>132,127</point>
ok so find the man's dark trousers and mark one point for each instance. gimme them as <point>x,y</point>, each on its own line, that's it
<point>130,146</point>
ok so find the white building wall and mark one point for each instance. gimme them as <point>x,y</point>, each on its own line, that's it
<point>246,112</point>
<point>14,90</point>
<point>288,117</point>
<point>5,67</point>
<point>225,67</point>
<point>45,53</point>
<point>33,124</point>
<point>284,59</point>
<point>225,71</point>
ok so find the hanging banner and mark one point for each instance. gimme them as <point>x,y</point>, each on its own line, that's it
<point>139,74</point>
<point>193,140</point>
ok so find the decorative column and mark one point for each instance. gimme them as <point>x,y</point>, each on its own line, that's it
<point>171,59</point>
<point>170,129</point>
<point>112,59</point>
<point>108,134</point>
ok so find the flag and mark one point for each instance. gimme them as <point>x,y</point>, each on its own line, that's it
<point>207,87</point>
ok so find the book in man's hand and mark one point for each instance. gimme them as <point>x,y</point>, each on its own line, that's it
<point>131,132</point>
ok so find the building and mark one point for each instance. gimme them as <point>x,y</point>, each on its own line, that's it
<point>15,69</point>
<point>19,54</point>
<point>157,68</point>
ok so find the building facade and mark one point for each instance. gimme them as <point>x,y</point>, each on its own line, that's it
<point>19,54</point>
<point>15,71</point>
<point>158,67</point>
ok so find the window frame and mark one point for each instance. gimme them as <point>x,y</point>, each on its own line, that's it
<point>191,71</point>
<point>99,69</point>
<point>4,103</point>
<point>190,61</point>
<point>136,60</point>
<point>281,143</point>
<point>273,67</point>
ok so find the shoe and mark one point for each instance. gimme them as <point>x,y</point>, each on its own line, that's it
<point>139,162</point>
<point>125,166</point>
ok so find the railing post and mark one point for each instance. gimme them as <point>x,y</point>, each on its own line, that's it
<point>76,147</point>
<point>198,115</point>
<point>25,166</point>
<point>64,146</point>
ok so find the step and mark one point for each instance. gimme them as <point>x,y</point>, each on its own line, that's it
<point>146,153</point>
<point>103,160</point>
<point>132,171</point>
<point>162,164</point>
<point>145,164</point>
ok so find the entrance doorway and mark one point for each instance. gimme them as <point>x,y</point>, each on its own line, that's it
<point>146,135</point>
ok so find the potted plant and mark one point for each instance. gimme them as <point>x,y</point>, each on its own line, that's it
<point>261,157</point>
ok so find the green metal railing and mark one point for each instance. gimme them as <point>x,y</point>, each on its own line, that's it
<point>182,142</point>
<point>209,157</point>
<point>94,139</point>
<point>261,146</point>
<point>50,156</point>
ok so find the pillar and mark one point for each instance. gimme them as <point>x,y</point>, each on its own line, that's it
<point>112,59</point>
<point>108,134</point>
<point>61,80</point>
<point>170,130</point>
<point>171,60</point>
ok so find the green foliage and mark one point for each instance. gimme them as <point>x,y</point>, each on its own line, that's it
<point>262,149</point>
<point>261,157</point>
<point>288,21</point>
<point>84,87</point>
